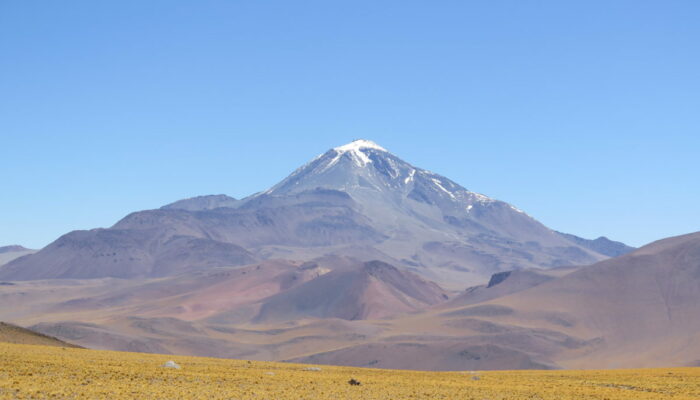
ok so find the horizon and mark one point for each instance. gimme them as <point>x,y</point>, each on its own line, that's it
<point>583,116</point>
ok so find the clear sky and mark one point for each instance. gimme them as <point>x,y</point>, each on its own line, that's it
<point>585,114</point>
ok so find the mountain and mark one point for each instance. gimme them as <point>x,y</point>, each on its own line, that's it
<point>356,200</point>
<point>124,253</point>
<point>9,253</point>
<point>201,203</point>
<point>505,283</point>
<point>636,310</point>
<point>431,221</point>
<point>359,258</point>
<point>12,249</point>
<point>367,290</point>
<point>601,245</point>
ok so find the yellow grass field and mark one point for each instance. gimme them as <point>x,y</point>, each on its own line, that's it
<point>42,372</point>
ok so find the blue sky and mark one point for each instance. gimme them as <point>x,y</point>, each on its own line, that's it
<point>584,114</point>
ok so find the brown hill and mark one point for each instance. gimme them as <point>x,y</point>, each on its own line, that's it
<point>640,309</point>
<point>367,290</point>
<point>506,283</point>
<point>14,334</point>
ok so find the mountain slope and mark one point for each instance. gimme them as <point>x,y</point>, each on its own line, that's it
<point>201,203</point>
<point>506,283</point>
<point>124,253</point>
<point>637,310</point>
<point>15,334</point>
<point>601,245</point>
<point>641,308</point>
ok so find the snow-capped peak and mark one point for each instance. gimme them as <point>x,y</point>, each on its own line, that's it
<point>355,150</point>
<point>356,145</point>
<point>363,164</point>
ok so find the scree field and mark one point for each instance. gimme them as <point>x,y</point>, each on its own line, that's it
<point>42,372</point>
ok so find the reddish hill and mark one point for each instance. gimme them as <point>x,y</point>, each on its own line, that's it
<point>364,291</point>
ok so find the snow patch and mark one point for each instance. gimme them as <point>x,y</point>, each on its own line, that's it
<point>355,150</point>
<point>517,209</point>
<point>438,183</point>
<point>357,145</point>
<point>410,176</point>
<point>359,157</point>
<point>481,198</point>
<point>331,163</point>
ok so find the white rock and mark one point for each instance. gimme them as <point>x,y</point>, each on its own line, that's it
<point>171,364</point>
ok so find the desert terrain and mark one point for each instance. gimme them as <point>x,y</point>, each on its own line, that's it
<point>39,372</point>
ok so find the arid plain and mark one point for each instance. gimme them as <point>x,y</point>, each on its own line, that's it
<point>42,372</point>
